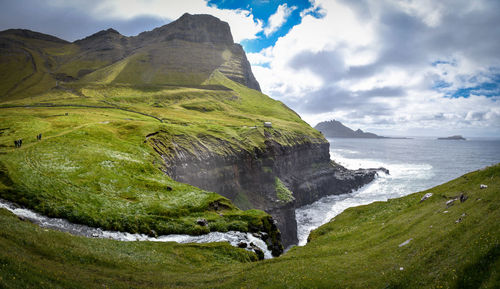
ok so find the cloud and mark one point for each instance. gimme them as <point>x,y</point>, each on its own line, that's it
<point>75,19</point>
<point>69,24</point>
<point>278,18</point>
<point>243,24</point>
<point>391,65</point>
<point>326,64</point>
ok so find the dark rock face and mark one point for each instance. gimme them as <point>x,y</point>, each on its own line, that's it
<point>238,68</point>
<point>249,178</point>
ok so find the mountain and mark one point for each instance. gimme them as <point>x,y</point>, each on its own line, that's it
<point>185,51</point>
<point>166,132</point>
<point>334,129</point>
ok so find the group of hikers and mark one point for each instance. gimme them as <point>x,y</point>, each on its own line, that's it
<point>18,143</point>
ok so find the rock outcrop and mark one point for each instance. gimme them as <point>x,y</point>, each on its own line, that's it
<point>249,178</point>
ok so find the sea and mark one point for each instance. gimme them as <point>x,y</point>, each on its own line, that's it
<point>414,164</point>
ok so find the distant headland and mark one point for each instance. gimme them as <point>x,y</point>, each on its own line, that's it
<point>453,137</point>
<point>335,129</point>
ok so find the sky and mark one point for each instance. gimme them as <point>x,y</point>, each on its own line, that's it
<point>393,67</point>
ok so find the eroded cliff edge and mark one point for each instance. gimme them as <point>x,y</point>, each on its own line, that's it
<point>275,178</point>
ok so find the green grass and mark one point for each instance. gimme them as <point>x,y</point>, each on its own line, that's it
<point>32,257</point>
<point>93,167</point>
<point>282,192</point>
<point>358,249</point>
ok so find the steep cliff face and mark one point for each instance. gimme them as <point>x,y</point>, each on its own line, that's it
<point>237,68</point>
<point>252,179</point>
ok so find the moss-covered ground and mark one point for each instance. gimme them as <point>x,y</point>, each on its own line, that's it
<point>360,248</point>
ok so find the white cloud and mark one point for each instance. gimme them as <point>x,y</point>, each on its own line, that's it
<point>243,24</point>
<point>278,18</point>
<point>370,64</point>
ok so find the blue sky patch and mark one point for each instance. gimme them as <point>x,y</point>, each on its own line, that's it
<point>438,62</point>
<point>488,89</point>
<point>438,85</point>
<point>262,10</point>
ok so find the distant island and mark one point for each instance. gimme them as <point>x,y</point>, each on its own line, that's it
<point>453,137</point>
<point>335,129</point>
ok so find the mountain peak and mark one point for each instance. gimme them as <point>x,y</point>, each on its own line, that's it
<point>335,129</point>
<point>199,28</point>
<point>108,33</point>
<point>32,34</point>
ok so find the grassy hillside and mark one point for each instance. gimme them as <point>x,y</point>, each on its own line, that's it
<point>95,165</point>
<point>360,248</point>
<point>451,247</point>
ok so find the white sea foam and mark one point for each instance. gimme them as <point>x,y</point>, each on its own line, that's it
<point>233,237</point>
<point>400,182</point>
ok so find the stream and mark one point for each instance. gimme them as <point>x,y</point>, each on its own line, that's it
<point>233,237</point>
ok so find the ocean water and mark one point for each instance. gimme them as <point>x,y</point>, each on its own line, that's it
<point>414,164</point>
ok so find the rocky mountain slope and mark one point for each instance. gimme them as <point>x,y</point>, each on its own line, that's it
<point>129,121</point>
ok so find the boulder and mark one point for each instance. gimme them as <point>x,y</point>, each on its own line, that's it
<point>425,197</point>
<point>449,203</point>
<point>152,233</point>
<point>405,242</point>
<point>202,222</point>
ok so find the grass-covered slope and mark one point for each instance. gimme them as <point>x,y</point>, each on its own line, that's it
<point>93,166</point>
<point>32,257</point>
<point>455,246</point>
<point>360,248</point>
